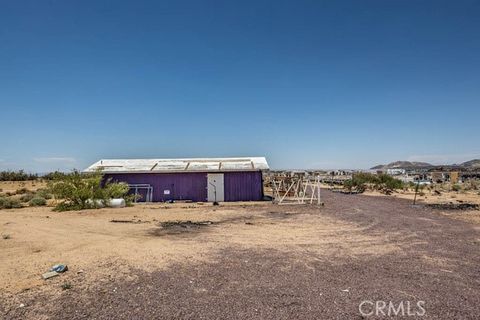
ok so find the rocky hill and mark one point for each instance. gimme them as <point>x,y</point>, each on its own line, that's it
<point>475,163</point>
<point>402,164</point>
<point>472,164</point>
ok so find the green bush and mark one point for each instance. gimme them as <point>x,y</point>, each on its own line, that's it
<point>85,190</point>
<point>389,182</point>
<point>56,175</point>
<point>44,193</point>
<point>361,180</point>
<point>456,187</point>
<point>17,176</point>
<point>9,203</point>
<point>37,202</point>
<point>22,191</point>
<point>27,197</point>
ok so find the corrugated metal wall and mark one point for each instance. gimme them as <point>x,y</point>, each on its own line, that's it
<point>243,186</point>
<point>182,186</point>
<point>239,186</point>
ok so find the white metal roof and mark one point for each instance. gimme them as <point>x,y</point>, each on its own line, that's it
<point>179,165</point>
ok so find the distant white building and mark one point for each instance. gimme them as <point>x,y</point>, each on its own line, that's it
<point>396,171</point>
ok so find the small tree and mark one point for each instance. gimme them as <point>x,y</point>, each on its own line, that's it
<point>85,190</point>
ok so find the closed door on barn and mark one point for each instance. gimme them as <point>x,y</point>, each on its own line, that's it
<point>215,187</point>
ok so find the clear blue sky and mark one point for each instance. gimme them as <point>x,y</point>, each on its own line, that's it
<point>309,84</point>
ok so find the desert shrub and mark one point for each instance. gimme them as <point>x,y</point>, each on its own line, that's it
<point>56,175</point>
<point>361,180</point>
<point>9,203</point>
<point>386,181</point>
<point>472,185</point>
<point>37,202</point>
<point>115,190</point>
<point>27,197</point>
<point>17,176</point>
<point>22,191</point>
<point>120,190</point>
<point>354,185</point>
<point>456,187</point>
<point>85,190</point>
<point>348,184</point>
<point>44,193</point>
<point>362,177</point>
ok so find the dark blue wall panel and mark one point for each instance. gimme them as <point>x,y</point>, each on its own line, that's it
<point>239,186</point>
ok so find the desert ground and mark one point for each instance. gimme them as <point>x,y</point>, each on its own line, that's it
<point>240,261</point>
<point>11,186</point>
<point>431,197</point>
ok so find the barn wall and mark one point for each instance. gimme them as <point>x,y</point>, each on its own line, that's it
<point>182,186</point>
<point>239,186</point>
<point>243,186</point>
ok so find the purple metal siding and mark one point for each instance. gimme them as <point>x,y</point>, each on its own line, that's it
<point>238,186</point>
<point>243,186</point>
<point>182,186</point>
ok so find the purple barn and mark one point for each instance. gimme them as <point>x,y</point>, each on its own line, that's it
<point>210,179</point>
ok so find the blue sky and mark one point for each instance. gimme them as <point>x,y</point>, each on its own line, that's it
<point>309,84</point>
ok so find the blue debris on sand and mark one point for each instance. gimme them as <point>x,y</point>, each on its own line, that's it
<point>59,268</point>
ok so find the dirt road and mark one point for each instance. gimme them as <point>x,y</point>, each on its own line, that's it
<point>262,262</point>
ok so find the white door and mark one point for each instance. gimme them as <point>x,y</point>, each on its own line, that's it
<point>215,187</point>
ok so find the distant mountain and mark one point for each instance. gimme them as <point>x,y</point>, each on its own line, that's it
<point>402,164</point>
<point>475,163</point>
<point>472,164</point>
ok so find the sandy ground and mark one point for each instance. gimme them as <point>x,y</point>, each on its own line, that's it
<point>431,197</point>
<point>255,260</point>
<point>11,186</point>
<point>86,240</point>
<point>473,197</point>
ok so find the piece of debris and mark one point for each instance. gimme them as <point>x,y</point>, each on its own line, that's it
<point>22,305</point>
<point>55,271</point>
<point>184,224</point>
<point>116,203</point>
<point>49,275</point>
<point>66,286</point>
<point>346,290</point>
<point>128,221</point>
<point>60,268</point>
<point>445,270</point>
